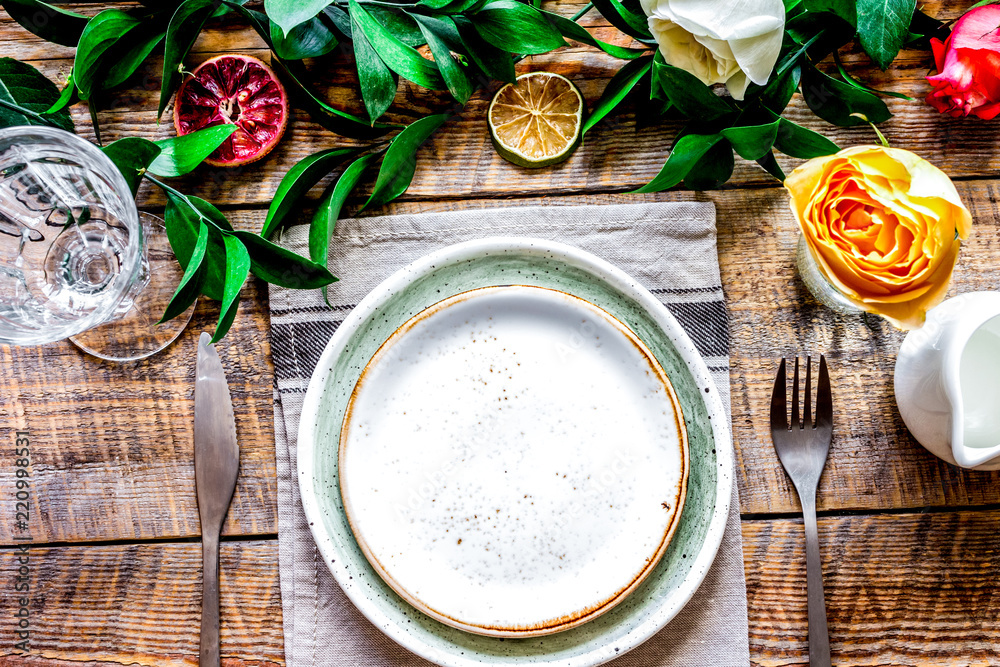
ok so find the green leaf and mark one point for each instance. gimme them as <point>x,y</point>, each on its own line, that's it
<point>620,85</point>
<point>780,89</point>
<point>126,62</point>
<point>686,92</point>
<point>339,19</point>
<point>47,21</point>
<point>325,218</point>
<point>92,109</point>
<point>132,156</point>
<point>493,62</point>
<point>791,59</point>
<point>801,142</point>
<point>883,26</point>
<point>686,153</point>
<point>289,13</point>
<point>575,31</point>
<point>67,97</point>
<point>378,87</point>
<point>237,270</point>
<point>771,166</point>
<point>400,160</point>
<point>434,4</point>
<point>845,9</point>
<point>183,153</point>
<point>258,20</point>
<point>752,142</point>
<point>182,219</point>
<point>191,281</point>
<point>834,101</point>
<point>210,214</point>
<point>402,59</point>
<point>304,174</point>
<point>456,79</point>
<point>923,28</point>
<point>282,267</point>
<point>516,27</point>
<point>858,84</point>
<point>713,169</point>
<point>220,11</point>
<point>454,8</point>
<point>400,23</point>
<point>310,39</point>
<point>333,119</point>
<point>102,32</point>
<point>629,22</point>
<point>26,87</point>
<point>182,31</point>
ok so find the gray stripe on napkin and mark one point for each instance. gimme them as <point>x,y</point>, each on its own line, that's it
<point>669,248</point>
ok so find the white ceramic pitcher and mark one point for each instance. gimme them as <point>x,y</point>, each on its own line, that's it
<point>947,381</point>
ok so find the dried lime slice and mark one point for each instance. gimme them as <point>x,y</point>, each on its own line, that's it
<point>536,121</point>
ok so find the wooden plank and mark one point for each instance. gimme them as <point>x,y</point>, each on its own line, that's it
<point>617,156</point>
<point>915,589</point>
<point>111,444</point>
<point>460,162</point>
<point>107,471</point>
<point>874,462</point>
<point>141,604</point>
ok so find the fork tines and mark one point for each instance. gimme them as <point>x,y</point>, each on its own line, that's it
<point>824,400</point>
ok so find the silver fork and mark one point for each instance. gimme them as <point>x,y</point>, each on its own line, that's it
<point>802,449</point>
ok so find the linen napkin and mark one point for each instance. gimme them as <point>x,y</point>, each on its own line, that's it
<point>669,248</point>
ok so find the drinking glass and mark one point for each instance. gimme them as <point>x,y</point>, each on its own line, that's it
<point>77,259</point>
<point>821,288</point>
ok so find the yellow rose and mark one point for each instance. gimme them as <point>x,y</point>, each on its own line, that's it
<point>884,228</point>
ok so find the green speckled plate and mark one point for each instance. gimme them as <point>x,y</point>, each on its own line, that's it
<point>505,261</point>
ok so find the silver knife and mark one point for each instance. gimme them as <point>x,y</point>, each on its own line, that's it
<point>216,464</point>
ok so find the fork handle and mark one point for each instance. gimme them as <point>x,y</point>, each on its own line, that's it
<point>819,636</point>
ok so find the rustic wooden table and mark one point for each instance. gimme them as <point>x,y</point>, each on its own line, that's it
<point>911,545</point>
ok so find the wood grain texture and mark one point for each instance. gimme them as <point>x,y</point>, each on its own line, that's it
<point>916,590</point>
<point>874,463</point>
<point>112,445</point>
<point>913,589</point>
<point>106,469</point>
<point>460,162</point>
<point>141,605</point>
<point>112,453</point>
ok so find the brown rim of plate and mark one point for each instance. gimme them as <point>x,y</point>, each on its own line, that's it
<point>561,623</point>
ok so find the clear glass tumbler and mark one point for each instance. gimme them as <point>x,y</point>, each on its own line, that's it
<point>821,288</point>
<point>74,252</point>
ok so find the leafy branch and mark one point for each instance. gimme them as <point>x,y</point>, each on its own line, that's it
<point>207,246</point>
<point>718,127</point>
<point>471,43</point>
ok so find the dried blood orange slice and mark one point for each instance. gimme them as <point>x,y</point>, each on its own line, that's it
<point>239,90</point>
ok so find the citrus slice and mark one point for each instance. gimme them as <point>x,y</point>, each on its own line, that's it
<point>536,121</point>
<point>239,90</point>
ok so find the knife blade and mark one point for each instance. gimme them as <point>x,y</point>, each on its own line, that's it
<point>216,466</point>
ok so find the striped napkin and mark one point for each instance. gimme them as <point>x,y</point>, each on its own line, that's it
<point>668,247</point>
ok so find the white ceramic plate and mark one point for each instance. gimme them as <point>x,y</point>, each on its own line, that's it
<point>513,461</point>
<point>489,263</point>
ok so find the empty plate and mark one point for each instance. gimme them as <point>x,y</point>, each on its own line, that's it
<point>513,461</point>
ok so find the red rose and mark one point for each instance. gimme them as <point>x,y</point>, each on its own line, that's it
<point>968,65</point>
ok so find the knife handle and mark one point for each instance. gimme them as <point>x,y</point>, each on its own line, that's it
<point>209,653</point>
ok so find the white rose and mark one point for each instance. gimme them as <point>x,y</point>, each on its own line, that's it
<point>719,41</point>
